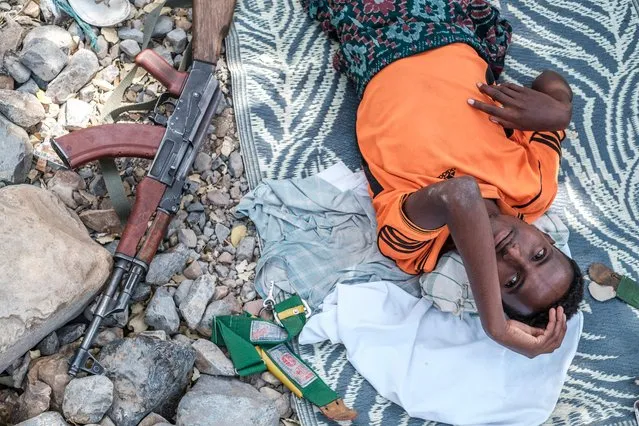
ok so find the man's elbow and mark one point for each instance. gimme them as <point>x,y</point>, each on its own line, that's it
<point>462,192</point>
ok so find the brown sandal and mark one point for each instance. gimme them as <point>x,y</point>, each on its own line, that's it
<point>608,284</point>
<point>603,275</point>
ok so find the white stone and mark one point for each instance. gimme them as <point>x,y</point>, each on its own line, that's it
<point>77,114</point>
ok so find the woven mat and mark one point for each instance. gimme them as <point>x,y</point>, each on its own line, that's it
<point>296,116</point>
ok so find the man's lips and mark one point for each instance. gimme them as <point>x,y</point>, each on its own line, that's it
<point>502,239</point>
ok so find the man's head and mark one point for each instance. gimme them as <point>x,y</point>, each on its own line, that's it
<point>534,275</point>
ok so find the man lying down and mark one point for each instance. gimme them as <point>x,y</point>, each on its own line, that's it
<point>454,160</point>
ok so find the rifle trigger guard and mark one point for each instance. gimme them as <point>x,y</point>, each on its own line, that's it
<point>157,115</point>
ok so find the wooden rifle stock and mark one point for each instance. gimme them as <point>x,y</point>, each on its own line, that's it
<point>211,23</point>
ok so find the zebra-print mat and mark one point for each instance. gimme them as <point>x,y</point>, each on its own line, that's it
<point>296,116</point>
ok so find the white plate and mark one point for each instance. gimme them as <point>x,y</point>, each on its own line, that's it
<point>101,15</point>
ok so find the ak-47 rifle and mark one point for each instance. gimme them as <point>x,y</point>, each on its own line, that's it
<point>173,149</point>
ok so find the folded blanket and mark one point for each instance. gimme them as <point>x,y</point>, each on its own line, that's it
<point>315,234</point>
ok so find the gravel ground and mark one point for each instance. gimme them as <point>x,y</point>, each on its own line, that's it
<point>52,82</point>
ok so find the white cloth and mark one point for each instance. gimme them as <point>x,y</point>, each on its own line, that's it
<point>435,365</point>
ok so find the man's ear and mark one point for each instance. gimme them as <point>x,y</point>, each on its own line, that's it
<point>549,238</point>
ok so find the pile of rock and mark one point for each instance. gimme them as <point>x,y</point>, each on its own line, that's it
<point>161,366</point>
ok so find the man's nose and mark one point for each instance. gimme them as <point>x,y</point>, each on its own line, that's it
<point>512,253</point>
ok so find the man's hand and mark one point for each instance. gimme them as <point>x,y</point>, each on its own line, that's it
<point>524,108</point>
<point>531,341</point>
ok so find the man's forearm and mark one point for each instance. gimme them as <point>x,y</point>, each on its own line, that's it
<point>459,204</point>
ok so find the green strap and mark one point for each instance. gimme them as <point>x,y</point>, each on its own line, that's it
<point>242,334</point>
<point>628,291</point>
<point>246,359</point>
<point>295,323</point>
<point>114,186</point>
<point>299,372</point>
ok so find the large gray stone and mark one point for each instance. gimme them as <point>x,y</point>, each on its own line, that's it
<point>21,108</point>
<point>57,35</point>
<point>49,418</point>
<point>52,370</point>
<point>29,87</point>
<point>165,265</point>
<point>222,232</point>
<point>131,34</point>
<point>70,333</point>
<point>236,167</point>
<point>222,401</point>
<point>194,304</point>
<point>148,375</point>
<point>209,359</point>
<point>87,399</point>
<point>130,47</point>
<point>44,59</point>
<point>187,237</point>
<point>19,72</point>
<point>16,150</point>
<point>82,67</point>
<point>10,36</point>
<point>245,249</point>
<point>39,235</point>
<point>49,345</point>
<point>34,401</point>
<point>229,305</point>
<point>161,313</point>
<point>163,25</point>
<point>177,39</point>
<point>182,291</point>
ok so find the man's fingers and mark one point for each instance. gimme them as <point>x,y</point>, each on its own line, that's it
<point>489,109</point>
<point>504,123</point>
<point>558,331</point>
<point>514,87</point>
<point>494,93</point>
<point>509,91</point>
<point>551,327</point>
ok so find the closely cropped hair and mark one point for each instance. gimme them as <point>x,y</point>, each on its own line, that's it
<point>570,301</point>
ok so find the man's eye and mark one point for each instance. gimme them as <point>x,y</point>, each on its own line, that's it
<point>513,281</point>
<point>540,254</point>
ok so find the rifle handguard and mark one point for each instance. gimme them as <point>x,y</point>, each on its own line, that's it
<point>163,72</point>
<point>147,197</point>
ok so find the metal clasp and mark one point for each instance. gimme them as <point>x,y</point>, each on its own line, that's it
<point>269,302</point>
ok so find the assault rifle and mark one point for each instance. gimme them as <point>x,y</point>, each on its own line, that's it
<point>173,149</point>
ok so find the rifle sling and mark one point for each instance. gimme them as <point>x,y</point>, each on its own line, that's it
<point>113,108</point>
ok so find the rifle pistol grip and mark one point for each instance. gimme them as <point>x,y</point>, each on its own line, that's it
<point>163,72</point>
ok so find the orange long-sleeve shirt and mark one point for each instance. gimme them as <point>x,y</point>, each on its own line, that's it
<point>415,128</point>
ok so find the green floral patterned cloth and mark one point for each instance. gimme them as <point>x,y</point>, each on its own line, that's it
<point>374,33</point>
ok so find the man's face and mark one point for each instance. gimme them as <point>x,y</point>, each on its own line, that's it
<point>533,273</point>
